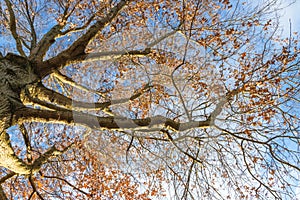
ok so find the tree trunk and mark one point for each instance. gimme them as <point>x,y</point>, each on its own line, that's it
<point>15,73</point>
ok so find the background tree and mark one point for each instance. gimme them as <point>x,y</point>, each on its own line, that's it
<point>141,99</point>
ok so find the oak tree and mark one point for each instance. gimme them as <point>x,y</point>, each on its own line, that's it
<point>125,99</point>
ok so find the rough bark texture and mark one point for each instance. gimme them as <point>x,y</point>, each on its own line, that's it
<point>15,73</point>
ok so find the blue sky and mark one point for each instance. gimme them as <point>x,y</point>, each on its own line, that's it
<point>292,12</point>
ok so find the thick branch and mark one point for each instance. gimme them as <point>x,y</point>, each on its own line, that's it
<point>219,107</point>
<point>39,94</point>
<point>67,80</point>
<point>78,47</point>
<point>149,124</point>
<point>8,158</point>
<point>53,151</point>
<point>6,177</point>
<point>11,161</point>
<point>110,55</point>
<point>44,44</point>
<point>13,27</point>
<point>37,54</point>
<point>26,141</point>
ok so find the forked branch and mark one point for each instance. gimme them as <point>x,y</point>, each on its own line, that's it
<point>13,27</point>
<point>78,47</point>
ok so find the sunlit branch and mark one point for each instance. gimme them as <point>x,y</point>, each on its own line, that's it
<point>69,81</point>
<point>110,55</point>
<point>78,47</point>
<point>223,100</point>
<point>13,27</point>
<point>149,124</point>
<point>77,29</point>
<point>41,93</point>
<point>26,141</point>
<point>53,151</point>
<point>46,97</point>
<point>37,53</point>
<point>11,161</point>
<point>29,101</point>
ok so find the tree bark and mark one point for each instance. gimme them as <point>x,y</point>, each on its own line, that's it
<point>15,73</point>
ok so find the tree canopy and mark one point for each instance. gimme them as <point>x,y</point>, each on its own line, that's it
<point>125,99</point>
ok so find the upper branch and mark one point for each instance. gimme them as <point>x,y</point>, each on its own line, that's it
<point>219,107</point>
<point>109,55</point>
<point>78,47</point>
<point>43,45</point>
<point>13,27</point>
<point>30,19</point>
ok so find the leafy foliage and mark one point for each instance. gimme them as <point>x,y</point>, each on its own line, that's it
<point>148,99</point>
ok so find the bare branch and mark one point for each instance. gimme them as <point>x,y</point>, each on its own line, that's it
<point>195,159</point>
<point>27,141</point>
<point>78,47</point>
<point>68,183</point>
<point>37,53</point>
<point>46,97</point>
<point>13,27</point>
<point>69,81</point>
<point>149,124</point>
<point>34,188</point>
<point>110,55</point>
<point>30,19</point>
